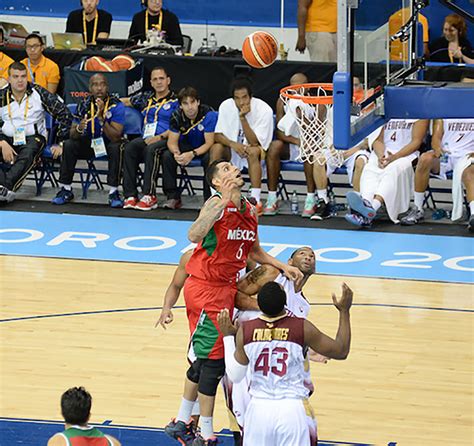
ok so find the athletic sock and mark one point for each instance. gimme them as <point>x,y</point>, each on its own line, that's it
<point>310,195</point>
<point>376,204</point>
<point>419,198</point>
<point>323,194</point>
<point>471,207</point>
<point>255,193</point>
<point>196,408</point>
<point>66,186</point>
<point>272,195</point>
<point>185,410</point>
<point>207,429</point>
<point>112,190</point>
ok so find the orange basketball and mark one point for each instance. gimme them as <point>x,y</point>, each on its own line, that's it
<point>260,49</point>
<point>97,63</point>
<point>123,62</point>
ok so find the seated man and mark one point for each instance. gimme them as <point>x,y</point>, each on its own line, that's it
<point>388,176</point>
<point>286,147</point>
<point>97,131</point>
<point>76,405</point>
<point>23,136</point>
<point>155,17</point>
<point>355,160</point>
<point>89,21</point>
<point>41,70</point>
<point>452,150</point>
<point>244,132</point>
<point>191,136</point>
<point>156,106</point>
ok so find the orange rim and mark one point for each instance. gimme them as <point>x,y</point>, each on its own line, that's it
<point>326,100</point>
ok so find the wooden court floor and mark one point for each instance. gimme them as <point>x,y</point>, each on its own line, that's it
<point>408,379</point>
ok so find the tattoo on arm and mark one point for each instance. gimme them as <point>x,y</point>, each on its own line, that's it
<point>256,274</point>
<point>209,215</point>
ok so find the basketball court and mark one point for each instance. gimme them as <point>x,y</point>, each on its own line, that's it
<point>81,291</point>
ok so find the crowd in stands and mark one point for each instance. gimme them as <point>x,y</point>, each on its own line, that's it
<point>178,128</point>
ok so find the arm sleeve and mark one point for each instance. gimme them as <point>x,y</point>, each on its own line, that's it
<point>235,371</point>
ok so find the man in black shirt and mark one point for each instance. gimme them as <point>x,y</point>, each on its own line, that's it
<point>156,17</point>
<point>91,22</point>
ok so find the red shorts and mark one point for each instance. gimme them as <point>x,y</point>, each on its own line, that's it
<point>204,301</point>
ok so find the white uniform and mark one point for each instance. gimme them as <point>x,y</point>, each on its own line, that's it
<point>237,394</point>
<point>275,349</point>
<point>395,182</point>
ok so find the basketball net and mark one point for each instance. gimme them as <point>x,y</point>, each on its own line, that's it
<point>310,105</point>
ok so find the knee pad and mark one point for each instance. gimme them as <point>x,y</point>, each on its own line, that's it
<point>212,372</point>
<point>194,371</point>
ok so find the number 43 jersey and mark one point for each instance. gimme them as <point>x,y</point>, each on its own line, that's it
<point>274,347</point>
<point>224,250</point>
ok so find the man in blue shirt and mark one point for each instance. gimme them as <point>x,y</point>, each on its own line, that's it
<point>97,130</point>
<point>156,106</point>
<point>191,136</point>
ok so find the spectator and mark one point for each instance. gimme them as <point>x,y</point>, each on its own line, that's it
<point>156,106</point>
<point>76,405</point>
<point>317,29</point>
<point>97,131</point>
<point>244,132</point>
<point>286,147</point>
<point>388,176</point>
<point>89,21</point>
<point>23,135</point>
<point>156,17</point>
<point>41,70</point>
<point>2,37</point>
<point>191,136</point>
<point>453,46</point>
<point>5,62</point>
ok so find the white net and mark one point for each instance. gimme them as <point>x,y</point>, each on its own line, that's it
<point>312,120</point>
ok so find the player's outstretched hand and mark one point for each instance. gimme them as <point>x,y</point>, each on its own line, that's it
<point>343,303</point>
<point>166,317</point>
<point>225,324</point>
<point>292,273</point>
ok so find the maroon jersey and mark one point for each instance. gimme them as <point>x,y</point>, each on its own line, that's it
<point>223,251</point>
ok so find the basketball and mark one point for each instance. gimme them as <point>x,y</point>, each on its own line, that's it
<point>260,49</point>
<point>123,62</point>
<point>97,63</point>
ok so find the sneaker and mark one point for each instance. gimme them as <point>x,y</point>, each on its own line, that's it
<point>181,431</point>
<point>360,205</point>
<point>172,203</point>
<point>130,203</point>
<point>470,225</point>
<point>413,217</point>
<point>63,196</point>
<point>271,207</point>
<point>309,207</point>
<point>6,194</point>
<point>358,220</point>
<point>147,203</point>
<point>115,200</point>
<point>259,208</point>
<point>322,211</point>
<point>199,441</point>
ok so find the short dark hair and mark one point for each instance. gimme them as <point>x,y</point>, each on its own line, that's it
<point>16,66</point>
<point>34,36</point>
<point>159,68</point>
<point>212,169</point>
<point>271,298</point>
<point>299,249</point>
<point>188,92</point>
<point>240,83</point>
<point>76,405</point>
<point>467,74</point>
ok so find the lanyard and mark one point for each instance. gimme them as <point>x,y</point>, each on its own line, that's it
<point>194,125</point>
<point>84,27</point>
<point>160,19</point>
<point>19,103</point>
<point>93,116</point>
<point>158,108</point>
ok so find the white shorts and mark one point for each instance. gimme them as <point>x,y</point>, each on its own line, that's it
<point>445,168</point>
<point>276,423</point>
<point>349,163</point>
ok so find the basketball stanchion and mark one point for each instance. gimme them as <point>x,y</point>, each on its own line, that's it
<point>310,105</point>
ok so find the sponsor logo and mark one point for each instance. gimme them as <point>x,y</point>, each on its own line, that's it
<point>136,86</point>
<point>200,127</point>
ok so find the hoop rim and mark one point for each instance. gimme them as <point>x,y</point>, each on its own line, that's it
<point>325,100</point>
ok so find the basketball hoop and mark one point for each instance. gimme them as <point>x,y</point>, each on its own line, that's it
<point>310,106</point>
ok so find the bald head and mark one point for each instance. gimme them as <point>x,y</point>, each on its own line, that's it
<point>298,78</point>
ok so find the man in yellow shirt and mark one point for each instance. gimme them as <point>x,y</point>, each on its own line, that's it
<point>317,29</point>
<point>5,62</point>
<point>40,69</point>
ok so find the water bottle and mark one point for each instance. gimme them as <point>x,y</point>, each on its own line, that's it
<point>332,204</point>
<point>294,203</point>
<point>213,41</point>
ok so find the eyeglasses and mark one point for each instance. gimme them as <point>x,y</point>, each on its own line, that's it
<point>33,47</point>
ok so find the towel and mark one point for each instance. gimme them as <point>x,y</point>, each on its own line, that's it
<point>457,186</point>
